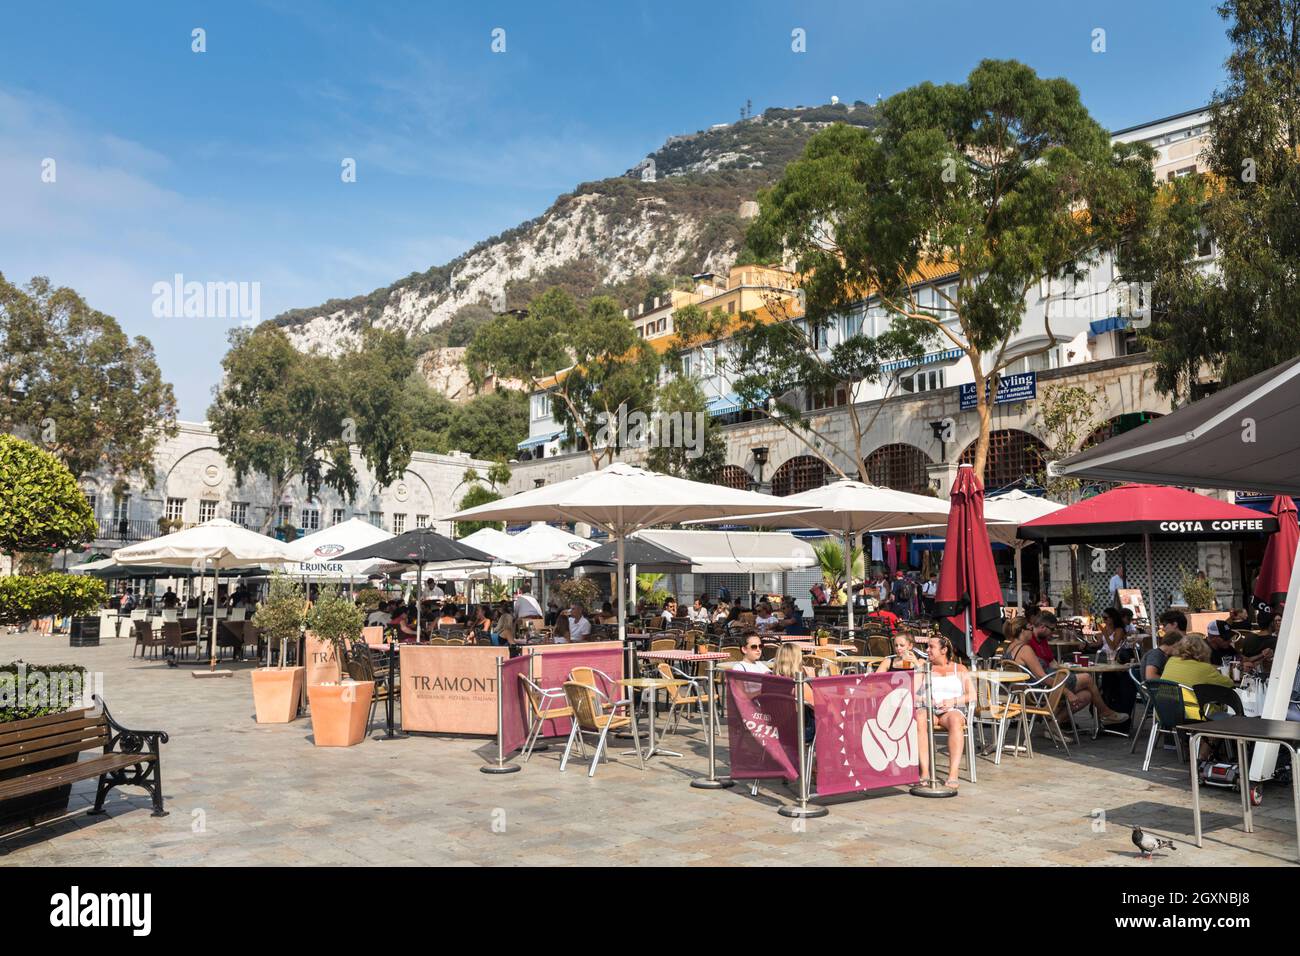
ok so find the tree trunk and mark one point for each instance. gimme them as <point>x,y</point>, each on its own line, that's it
<point>277,491</point>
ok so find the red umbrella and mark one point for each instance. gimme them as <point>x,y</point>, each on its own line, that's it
<point>1279,554</point>
<point>969,598</point>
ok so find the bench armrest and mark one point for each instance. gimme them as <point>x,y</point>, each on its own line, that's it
<point>129,741</point>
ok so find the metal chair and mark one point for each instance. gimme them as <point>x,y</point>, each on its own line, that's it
<point>1041,698</point>
<point>680,698</point>
<point>1170,704</point>
<point>591,718</point>
<point>1143,698</point>
<point>360,665</point>
<point>540,710</point>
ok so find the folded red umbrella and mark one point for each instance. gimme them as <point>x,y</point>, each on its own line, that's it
<point>1279,554</point>
<point>968,580</point>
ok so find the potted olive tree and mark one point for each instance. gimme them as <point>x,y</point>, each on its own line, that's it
<point>339,709</point>
<point>277,690</point>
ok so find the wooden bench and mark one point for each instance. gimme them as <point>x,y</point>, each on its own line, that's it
<point>128,757</point>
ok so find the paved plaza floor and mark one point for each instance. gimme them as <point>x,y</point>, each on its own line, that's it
<point>240,793</point>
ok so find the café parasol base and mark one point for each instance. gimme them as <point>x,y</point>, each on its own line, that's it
<point>803,811</point>
<point>502,768</point>
<point>713,783</point>
<point>931,788</point>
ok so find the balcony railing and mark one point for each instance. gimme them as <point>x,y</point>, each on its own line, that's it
<point>141,529</point>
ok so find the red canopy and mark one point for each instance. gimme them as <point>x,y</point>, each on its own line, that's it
<point>1131,511</point>
<point>968,580</point>
<point>1279,555</point>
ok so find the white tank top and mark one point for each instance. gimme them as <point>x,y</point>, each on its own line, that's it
<point>947,686</point>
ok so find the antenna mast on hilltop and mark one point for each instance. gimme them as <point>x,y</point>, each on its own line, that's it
<point>747,111</point>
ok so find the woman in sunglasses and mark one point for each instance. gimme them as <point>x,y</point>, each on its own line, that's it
<point>751,646</point>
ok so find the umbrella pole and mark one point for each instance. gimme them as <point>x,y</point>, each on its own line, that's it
<point>631,585</point>
<point>622,570</point>
<point>419,607</point>
<point>1019,599</point>
<point>212,661</point>
<point>931,786</point>
<point>848,573</point>
<point>1151,589</point>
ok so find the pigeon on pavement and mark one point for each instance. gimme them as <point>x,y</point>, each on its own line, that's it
<point>1148,844</point>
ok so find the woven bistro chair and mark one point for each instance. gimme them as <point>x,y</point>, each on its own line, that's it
<point>543,705</point>
<point>361,667</point>
<point>175,641</point>
<point>878,645</point>
<point>145,640</point>
<point>595,715</point>
<point>681,698</point>
<point>1041,698</point>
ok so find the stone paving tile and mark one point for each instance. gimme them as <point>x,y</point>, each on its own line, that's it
<point>266,796</point>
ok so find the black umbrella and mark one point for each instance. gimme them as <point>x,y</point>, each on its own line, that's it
<point>419,546</point>
<point>649,558</point>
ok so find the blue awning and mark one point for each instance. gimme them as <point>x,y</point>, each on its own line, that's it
<point>536,441</point>
<point>945,356</point>
<point>1116,323</point>
<point>724,404</point>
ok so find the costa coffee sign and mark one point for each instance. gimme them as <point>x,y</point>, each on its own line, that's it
<point>1200,527</point>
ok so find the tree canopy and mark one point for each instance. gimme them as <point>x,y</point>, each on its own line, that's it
<point>1237,316</point>
<point>73,380</point>
<point>601,362</point>
<point>996,183</point>
<point>294,416</point>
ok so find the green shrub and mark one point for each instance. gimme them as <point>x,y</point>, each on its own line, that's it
<point>37,690</point>
<point>26,597</point>
<point>41,507</point>
<point>334,618</point>
<point>280,616</point>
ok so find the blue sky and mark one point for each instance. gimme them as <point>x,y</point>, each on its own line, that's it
<point>225,165</point>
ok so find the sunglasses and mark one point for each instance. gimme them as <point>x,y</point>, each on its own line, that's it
<point>753,647</point>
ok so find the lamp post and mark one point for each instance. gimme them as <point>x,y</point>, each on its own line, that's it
<point>760,459</point>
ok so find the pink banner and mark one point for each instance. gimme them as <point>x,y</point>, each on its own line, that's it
<point>866,732</point>
<point>553,669</point>
<point>762,726</point>
<point>514,705</point>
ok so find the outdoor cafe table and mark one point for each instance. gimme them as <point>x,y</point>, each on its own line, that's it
<point>651,684</point>
<point>860,659</point>
<point>711,782</point>
<point>806,645</point>
<point>1005,677</point>
<point>1285,733</point>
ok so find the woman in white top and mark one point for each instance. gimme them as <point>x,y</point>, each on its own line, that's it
<point>752,647</point>
<point>765,620</point>
<point>953,689</point>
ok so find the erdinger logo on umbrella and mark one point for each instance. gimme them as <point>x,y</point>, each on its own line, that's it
<point>328,550</point>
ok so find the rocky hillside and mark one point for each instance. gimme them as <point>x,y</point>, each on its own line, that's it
<point>677,212</point>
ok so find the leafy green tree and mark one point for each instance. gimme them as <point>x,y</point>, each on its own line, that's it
<point>490,425</point>
<point>41,510</point>
<point>293,416</point>
<point>478,494</point>
<point>280,616</point>
<point>1237,318</point>
<point>999,181</point>
<point>590,361</point>
<point>431,415</point>
<point>681,401</point>
<point>71,379</point>
<point>41,507</point>
<point>1068,414</point>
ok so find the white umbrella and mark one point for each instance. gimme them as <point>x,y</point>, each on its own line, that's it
<point>316,555</point>
<point>548,548</point>
<point>622,499</point>
<point>218,544</point>
<point>850,508</point>
<point>1003,514</point>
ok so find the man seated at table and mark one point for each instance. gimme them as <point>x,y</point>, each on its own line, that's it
<point>883,615</point>
<point>791,621</point>
<point>1257,649</point>
<point>1154,661</point>
<point>1219,635</point>
<point>526,605</point>
<point>698,613</point>
<point>1027,647</point>
<point>751,646</point>
<point>669,612</point>
<point>579,626</point>
<point>381,615</point>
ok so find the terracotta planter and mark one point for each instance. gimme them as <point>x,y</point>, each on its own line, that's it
<point>276,693</point>
<point>339,712</point>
